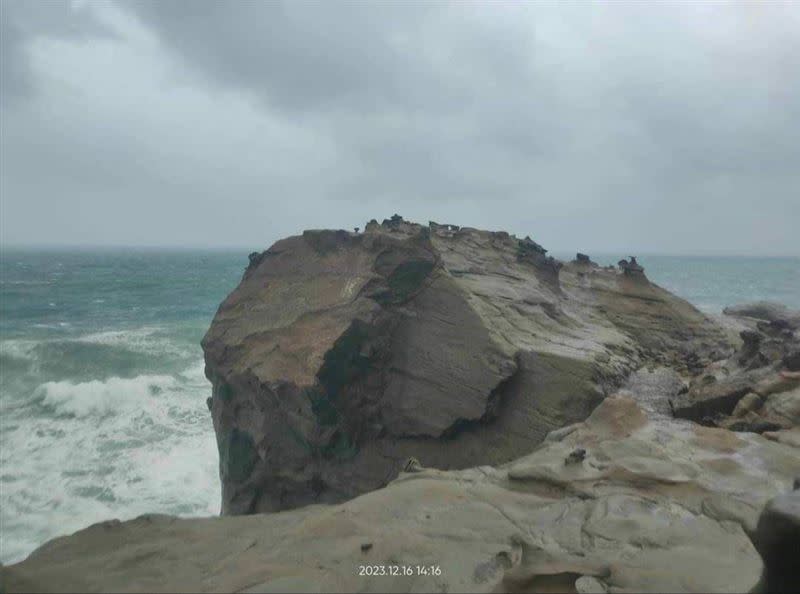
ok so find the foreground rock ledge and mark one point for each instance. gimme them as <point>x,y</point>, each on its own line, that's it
<point>342,354</point>
<point>628,501</point>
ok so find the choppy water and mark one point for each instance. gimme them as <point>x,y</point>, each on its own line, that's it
<point>102,393</point>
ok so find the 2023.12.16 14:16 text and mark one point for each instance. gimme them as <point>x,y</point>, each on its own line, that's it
<point>399,570</point>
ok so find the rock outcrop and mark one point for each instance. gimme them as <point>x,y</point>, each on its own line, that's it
<point>778,540</point>
<point>630,500</point>
<point>341,355</point>
<point>766,311</point>
<point>758,388</point>
<point>631,268</point>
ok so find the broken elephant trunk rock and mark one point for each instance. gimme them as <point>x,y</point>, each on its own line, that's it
<point>341,355</point>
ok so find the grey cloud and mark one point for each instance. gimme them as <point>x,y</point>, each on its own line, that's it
<point>299,55</point>
<point>513,92</point>
<point>661,127</point>
<point>14,79</point>
<point>22,21</point>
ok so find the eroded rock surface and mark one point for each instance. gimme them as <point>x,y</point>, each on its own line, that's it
<point>653,504</point>
<point>340,355</point>
<point>778,541</point>
<point>758,388</point>
<point>766,311</point>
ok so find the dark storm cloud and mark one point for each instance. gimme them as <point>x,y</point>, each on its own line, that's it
<point>14,82</point>
<point>707,103</point>
<point>395,82</point>
<point>22,20</point>
<point>299,55</point>
<point>663,127</point>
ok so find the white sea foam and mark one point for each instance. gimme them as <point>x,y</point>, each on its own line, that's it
<point>147,340</point>
<point>21,350</point>
<point>24,282</point>
<point>196,374</point>
<point>112,449</point>
<point>111,396</point>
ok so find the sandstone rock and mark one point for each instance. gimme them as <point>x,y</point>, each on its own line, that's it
<point>254,259</point>
<point>774,406</point>
<point>413,465</point>
<point>759,366</point>
<point>751,402</point>
<point>789,436</point>
<point>783,408</point>
<point>341,355</point>
<point>653,389</point>
<point>767,311</point>
<point>753,424</point>
<point>778,541</point>
<point>710,397</point>
<point>792,361</point>
<point>587,584</point>
<point>750,355</point>
<point>775,383</point>
<point>657,505</point>
<point>631,268</point>
<point>576,456</point>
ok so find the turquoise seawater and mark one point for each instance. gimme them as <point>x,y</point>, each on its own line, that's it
<point>102,392</point>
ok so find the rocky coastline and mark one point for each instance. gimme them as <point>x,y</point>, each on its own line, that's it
<point>442,408</point>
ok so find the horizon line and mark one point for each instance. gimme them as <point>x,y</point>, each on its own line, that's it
<point>243,248</point>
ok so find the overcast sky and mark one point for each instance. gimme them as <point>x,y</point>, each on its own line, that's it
<point>641,127</point>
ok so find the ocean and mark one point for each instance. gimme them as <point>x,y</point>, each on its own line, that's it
<point>102,393</point>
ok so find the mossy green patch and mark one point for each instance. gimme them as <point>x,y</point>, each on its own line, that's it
<point>345,361</point>
<point>237,455</point>
<point>322,407</point>
<point>224,391</point>
<point>298,438</point>
<point>342,365</point>
<point>340,447</point>
<point>404,281</point>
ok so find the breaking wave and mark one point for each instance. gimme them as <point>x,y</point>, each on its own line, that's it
<point>107,397</point>
<point>100,449</point>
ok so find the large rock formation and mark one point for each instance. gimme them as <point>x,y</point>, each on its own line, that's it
<point>341,355</point>
<point>631,500</point>
<point>602,435</point>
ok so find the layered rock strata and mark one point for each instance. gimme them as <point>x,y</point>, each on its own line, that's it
<point>758,388</point>
<point>340,355</point>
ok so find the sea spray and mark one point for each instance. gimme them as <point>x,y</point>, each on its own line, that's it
<point>102,395</point>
